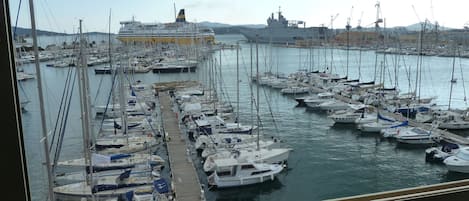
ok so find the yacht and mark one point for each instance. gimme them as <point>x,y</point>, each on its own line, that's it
<point>313,102</point>
<point>333,105</point>
<point>459,162</point>
<point>262,155</point>
<point>416,136</point>
<point>349,115</point>
<point>453,120</point>
<point>440,153</point>
<point>116,161</point>
<point>231,172</point>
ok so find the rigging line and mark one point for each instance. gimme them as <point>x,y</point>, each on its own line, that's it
<point>62,135</point>
<point>222,83</point>
<point>48,10</point>
<point>22,89</point>
<point>61,112</point>
<point>462,76</point>
<point>45,14</point>
<point>270,110</point>
<point>16,20</point>
<point>110,59</point>
<point>388,70</point>
<point>61,105</point>
<point>254,101</point>
<point>108,101</point>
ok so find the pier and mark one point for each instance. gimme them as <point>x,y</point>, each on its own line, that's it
<point>185,181</point>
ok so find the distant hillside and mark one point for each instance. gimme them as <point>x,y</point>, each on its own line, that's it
<point>26,32</point>
<point>213,24</point>
<point>221,28</point>
<point>418,27</point>
<point>222,25</point>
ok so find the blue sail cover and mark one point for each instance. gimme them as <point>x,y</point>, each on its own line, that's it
<point>129,195</point>
<point>384,118</point>
<point>161,186</point>
<point>119,156</point>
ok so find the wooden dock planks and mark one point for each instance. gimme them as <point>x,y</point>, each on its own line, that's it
<point>184,176</point>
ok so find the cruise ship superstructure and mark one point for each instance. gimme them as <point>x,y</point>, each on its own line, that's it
<point>179,32</point>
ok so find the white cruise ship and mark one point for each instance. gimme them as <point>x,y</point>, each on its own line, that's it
<point>179,32</point>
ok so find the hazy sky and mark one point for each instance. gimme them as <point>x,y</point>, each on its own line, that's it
<point>63,15</point>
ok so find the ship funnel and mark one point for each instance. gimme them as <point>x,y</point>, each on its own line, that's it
<point>181,16</point>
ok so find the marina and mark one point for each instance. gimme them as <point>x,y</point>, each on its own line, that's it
<point>365,151</point>
<point>243,116</point>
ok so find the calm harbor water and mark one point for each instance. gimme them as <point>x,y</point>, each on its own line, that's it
<point>328,161</point>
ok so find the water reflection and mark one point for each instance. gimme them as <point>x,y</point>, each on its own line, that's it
<point>249,193</point>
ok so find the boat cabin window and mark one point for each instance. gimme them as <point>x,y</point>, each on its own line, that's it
<point>224,173</point>
<point>243,167</point>
<point>234,170</point>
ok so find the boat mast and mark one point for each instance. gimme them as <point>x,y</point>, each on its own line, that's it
<point>332,40</point>
<point>348,43</point>
<point>258,102</point>
<point>452,78</point>
<point>50,175</point>
<point>252,93</point>
<point>237,82</point>
<point>82,72</point>
<point>378,20</point>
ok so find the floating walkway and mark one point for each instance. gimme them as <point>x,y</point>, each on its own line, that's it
<point>185,180</point>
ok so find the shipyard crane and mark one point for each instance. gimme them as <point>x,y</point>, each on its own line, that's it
<point>360,21</point>
<point>349,19</point>
<point>378,11</point>
<point>332,20</point>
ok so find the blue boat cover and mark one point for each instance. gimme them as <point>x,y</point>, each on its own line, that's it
<point>384,118</point>
<point>161,186</point>
<point>119,156</point>
<point>129,195</point>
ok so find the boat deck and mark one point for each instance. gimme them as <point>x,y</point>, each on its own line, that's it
<point>184,176</point>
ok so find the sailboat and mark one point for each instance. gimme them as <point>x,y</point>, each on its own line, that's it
<point>107,186</point>
<point>246,166</point>
<point>452,119</point>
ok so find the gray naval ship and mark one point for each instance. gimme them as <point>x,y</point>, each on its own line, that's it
<point>283,31</point>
